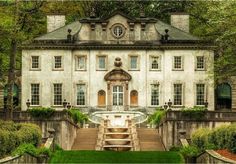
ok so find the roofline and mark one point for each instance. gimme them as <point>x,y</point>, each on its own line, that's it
<point>118,47</point>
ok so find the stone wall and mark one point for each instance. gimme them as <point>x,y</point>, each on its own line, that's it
<point>65,129</point>
<point>175,126</point>
<point>210,156</point>
<point>26,158</point>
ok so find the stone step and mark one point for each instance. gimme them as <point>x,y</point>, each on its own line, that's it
<point>149,139</point>
<point>86,139</point>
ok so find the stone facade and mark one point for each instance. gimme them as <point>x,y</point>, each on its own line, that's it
<point>137,42</point>
<point>180,21</point>
<point>55,21</point>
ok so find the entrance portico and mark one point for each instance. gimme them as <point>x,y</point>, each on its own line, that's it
<point>117,87</point>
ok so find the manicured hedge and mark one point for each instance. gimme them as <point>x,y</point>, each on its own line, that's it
<point>223,137</point>
<point>42,112</point>
<point>14,134</point>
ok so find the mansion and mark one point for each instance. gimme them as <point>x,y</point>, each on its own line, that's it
<point>118,62</point>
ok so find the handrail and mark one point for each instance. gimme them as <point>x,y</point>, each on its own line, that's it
<point>98,116</point>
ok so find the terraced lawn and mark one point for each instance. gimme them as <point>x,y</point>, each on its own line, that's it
<point>116,157</point>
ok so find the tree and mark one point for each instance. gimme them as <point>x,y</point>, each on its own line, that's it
<point>15,25</point>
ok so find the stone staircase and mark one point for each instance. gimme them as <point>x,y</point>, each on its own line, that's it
<point>86,139</point>
<point>149,140</point>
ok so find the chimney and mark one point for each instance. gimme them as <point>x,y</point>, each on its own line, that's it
<point>180,21</point>
<point>55,21</point>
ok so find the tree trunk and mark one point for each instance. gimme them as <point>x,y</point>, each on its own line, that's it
<point>11,80</point>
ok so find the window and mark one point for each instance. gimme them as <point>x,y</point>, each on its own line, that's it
<point>101,98</point>
<point>200,94</point>
<point>118,95</point>
<point>177,62</point>
<point>35,62</point>
<point>178,93</point>
<point>155,63</point>
<point>81,94</point>
<point>57,62</point>
<point>118,30</point>
<point>200,63</point>
<point>57,90</point>
<point>133,62</point>
<point>155,94</point>
<point>34,94</point>
<point>81,63</point>
<point>101,63</point>
<point>134,98</point>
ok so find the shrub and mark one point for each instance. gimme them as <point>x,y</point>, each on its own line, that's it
<point>32,150</point>
<point>41,113</point>
<point>200,138</point>
<point>189,151</point>
<point>194,112</point>
<point>223,137</point>
<point>175,148</point>
<point>16,134</point>
<point>156,117</point>
<point>77,116</point>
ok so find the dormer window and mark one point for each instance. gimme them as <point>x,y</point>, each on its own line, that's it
<point>118,30</point>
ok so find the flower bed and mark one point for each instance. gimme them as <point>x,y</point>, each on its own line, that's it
<point>225,153</point>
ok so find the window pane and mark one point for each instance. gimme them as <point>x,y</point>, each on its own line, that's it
<point>58,63</point>
<point>35,94</point>
<point>133,62</point>
<point>81,63</point>
<point>101,62</point>
<point>155,63</point>
<point>155,94</point>
<point>35,62</point>
<point>177,94</point>
<point>57,94</point>
<point>200,94</point>
<point>81,94</point>
<point>177,62</point>
<point>200,62</point>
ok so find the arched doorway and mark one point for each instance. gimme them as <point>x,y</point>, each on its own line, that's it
<point>101,98</point>
<point>223,96</point>
<point>133,98</point>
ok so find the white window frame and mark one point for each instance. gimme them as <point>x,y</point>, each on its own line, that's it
<point>182,94</point>
<point>151,60</point>
<point>205,93</point>
<point>85,94</point>
<point>39,63</point>
<point>62,63</point>
<point>159,97</point>
<point>182,63</point>
<point>138,63</point>
<point>39,94</point>
<point>62,90</point>
<point>97,63</point>
<point>204,63</point>
<point>77,63</point>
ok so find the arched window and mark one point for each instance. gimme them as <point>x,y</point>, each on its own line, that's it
<point>133,98</point>
<point>224,96</point>
<point>101,98</point>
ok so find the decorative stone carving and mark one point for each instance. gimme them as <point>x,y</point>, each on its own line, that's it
<point>118,62</point>
<point>117,75</point>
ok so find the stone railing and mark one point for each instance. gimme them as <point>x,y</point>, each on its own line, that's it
<point>176,125</point>
<point>210,156</point>
<point>209,115</point>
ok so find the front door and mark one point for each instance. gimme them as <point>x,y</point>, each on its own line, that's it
<point>118,97</point>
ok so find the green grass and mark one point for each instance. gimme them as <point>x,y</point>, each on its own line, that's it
<point>116,157</point>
